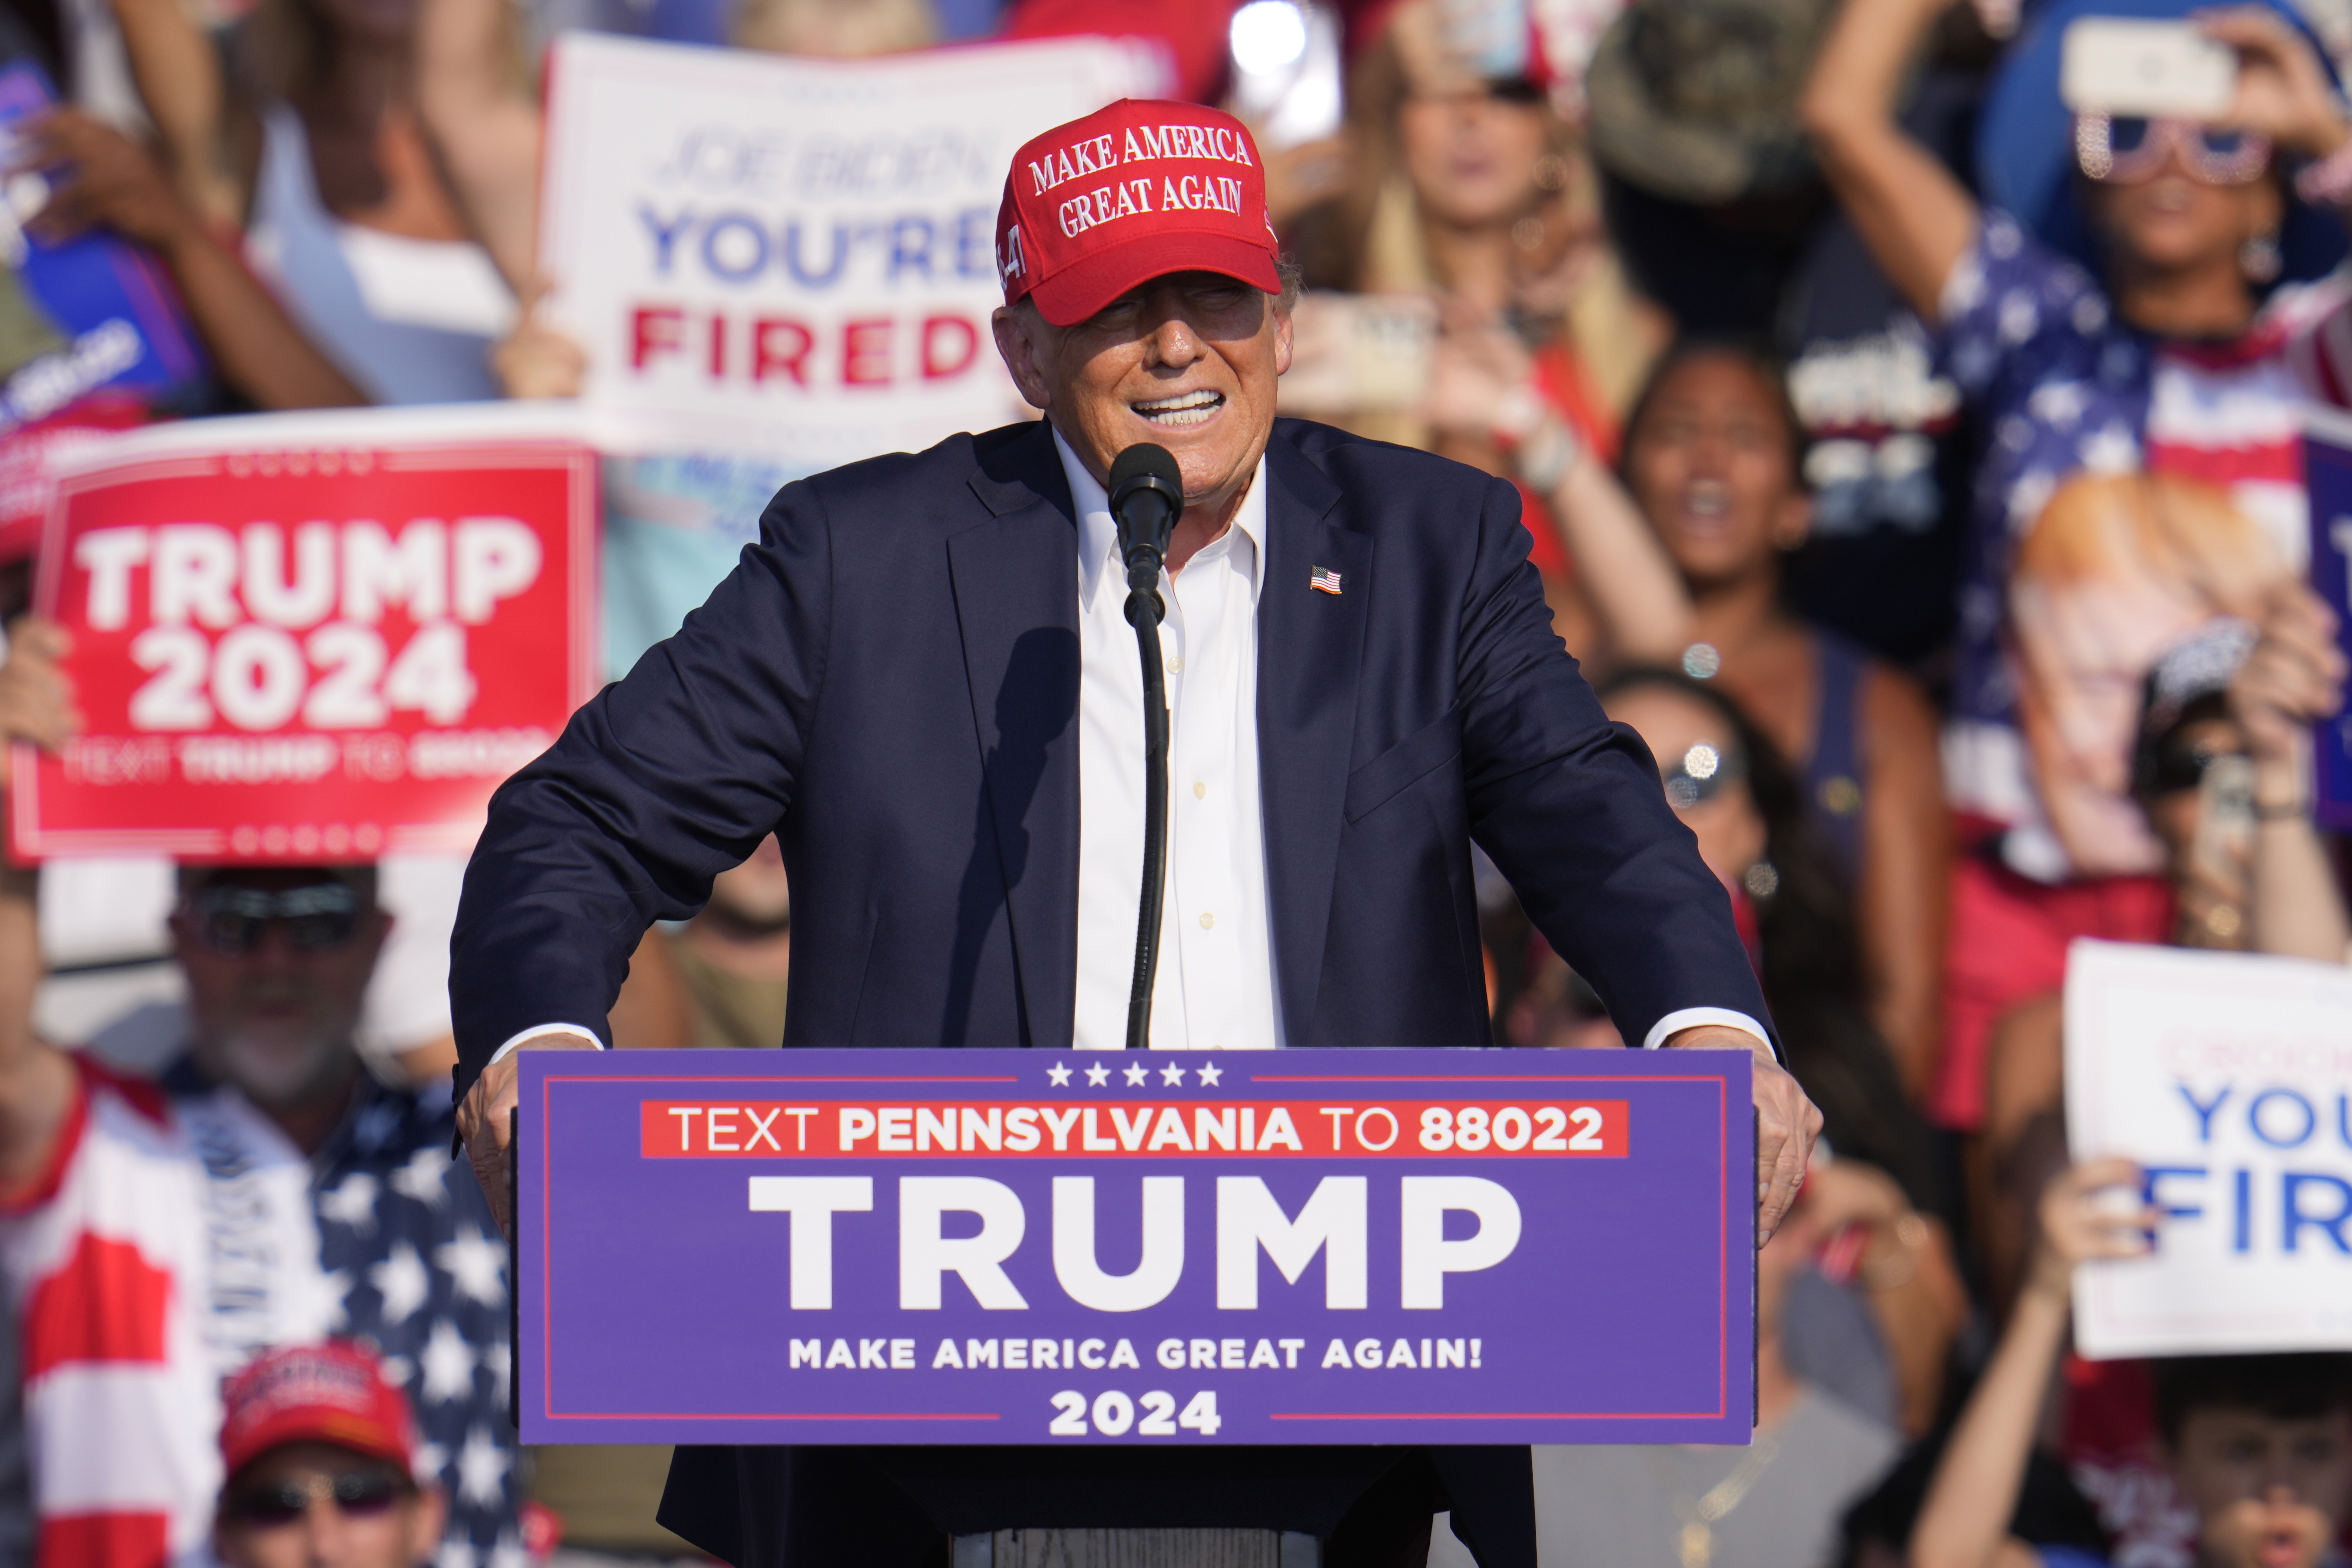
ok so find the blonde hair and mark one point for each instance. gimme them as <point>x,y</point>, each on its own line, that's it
<point>1373,238</point>
<point>2181,530</point>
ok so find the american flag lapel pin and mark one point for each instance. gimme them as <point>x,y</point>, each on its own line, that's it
<point>1326,579</point>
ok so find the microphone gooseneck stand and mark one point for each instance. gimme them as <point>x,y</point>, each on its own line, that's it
<point>1146,496</point>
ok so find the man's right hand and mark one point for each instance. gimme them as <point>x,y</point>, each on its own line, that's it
<point>483,1122</point>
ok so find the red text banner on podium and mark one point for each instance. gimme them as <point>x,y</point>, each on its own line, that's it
<point>311,636</point>
<point>981,1246</point>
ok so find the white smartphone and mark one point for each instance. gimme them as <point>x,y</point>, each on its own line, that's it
<point>2125,66</point>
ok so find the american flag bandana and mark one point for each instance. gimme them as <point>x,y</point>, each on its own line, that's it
<point>1325,579</point>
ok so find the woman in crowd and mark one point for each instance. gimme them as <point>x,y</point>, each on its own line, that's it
<point>1729,785</point>
<point>1731,788</point>
<point>316,140</point>
<point>1714,461</point>
<point>1467,189</point>
<point>2181,358</point>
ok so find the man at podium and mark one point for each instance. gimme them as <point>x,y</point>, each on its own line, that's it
<point>922,680</point>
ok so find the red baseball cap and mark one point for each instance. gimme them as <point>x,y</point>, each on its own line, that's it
<point>1129,193</point>
<point>333,1393</point>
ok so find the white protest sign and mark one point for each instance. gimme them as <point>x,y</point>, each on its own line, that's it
<point>789,255</point>
<point>2229,1077</point>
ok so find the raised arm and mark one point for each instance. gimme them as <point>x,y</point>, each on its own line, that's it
<point>114,183</point>
<point>178,74</point>
<point>36,1087</point>
<point>1964,1523</point>
<point>475,99</point>
<point>1905,888</point>
<point>1482,385</point>
<point>2293,678</point>
<point>1913,215</point>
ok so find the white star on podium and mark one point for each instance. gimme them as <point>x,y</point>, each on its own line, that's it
<point>1137,1073</point>
<point>1211,1072</point>
<point>1098,1075</point>
<point>1058,1075</point>
<point>1172,1074</point>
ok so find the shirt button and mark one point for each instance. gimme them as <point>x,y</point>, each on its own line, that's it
<point>1176,661</point>
<point>1199,789</point>
<point>1208,921</point>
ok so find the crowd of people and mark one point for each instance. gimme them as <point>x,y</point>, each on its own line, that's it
<point>1915,466</point>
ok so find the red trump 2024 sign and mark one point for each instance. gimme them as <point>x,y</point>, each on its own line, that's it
<point>311,637</point>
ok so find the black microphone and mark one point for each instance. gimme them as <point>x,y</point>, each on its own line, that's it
<point>1147,497</point>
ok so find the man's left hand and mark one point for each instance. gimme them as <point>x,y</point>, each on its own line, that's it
<point>1787,1122</point>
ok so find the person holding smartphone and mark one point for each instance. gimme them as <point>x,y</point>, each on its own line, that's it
<point>2136,294</point>
<point>2192,775</point>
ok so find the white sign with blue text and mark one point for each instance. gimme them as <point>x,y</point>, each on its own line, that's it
<point>789,256</point>
<point>2229,1077</point>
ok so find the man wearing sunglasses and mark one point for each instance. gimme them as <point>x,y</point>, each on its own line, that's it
<point>321,1456</point>
<point>267,1191</point>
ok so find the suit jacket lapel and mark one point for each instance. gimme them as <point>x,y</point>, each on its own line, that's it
<point>1016,594</point>
<point>1310,648</point>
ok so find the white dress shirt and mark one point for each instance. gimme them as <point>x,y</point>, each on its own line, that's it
<point>1215,986</point>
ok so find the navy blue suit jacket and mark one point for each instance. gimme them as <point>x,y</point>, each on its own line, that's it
<point>889,679</point>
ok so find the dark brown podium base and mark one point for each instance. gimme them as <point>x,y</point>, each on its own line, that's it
<point>902,1508</point>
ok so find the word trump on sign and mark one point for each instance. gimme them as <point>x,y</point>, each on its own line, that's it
<point>344,580</point>
<point>1333,1223</point>
<point>982,1246</point>
<point>2228,1079</point>
<point>311,636</point>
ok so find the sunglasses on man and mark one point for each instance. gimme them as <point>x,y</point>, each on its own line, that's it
<point>228,919</point>
<point>356,1494</point>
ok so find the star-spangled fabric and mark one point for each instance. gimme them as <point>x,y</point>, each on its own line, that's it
<point>2065,386</point>
<point>177,1234</point>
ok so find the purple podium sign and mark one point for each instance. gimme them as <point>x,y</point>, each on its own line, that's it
<point>1037,1247</point>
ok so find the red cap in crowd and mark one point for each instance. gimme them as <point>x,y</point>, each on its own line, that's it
<point>334,1393</point>
<point>1129,193</point>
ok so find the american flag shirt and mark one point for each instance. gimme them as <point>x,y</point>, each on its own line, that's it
<point>176,1233</point>
<point>2063,386</point>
